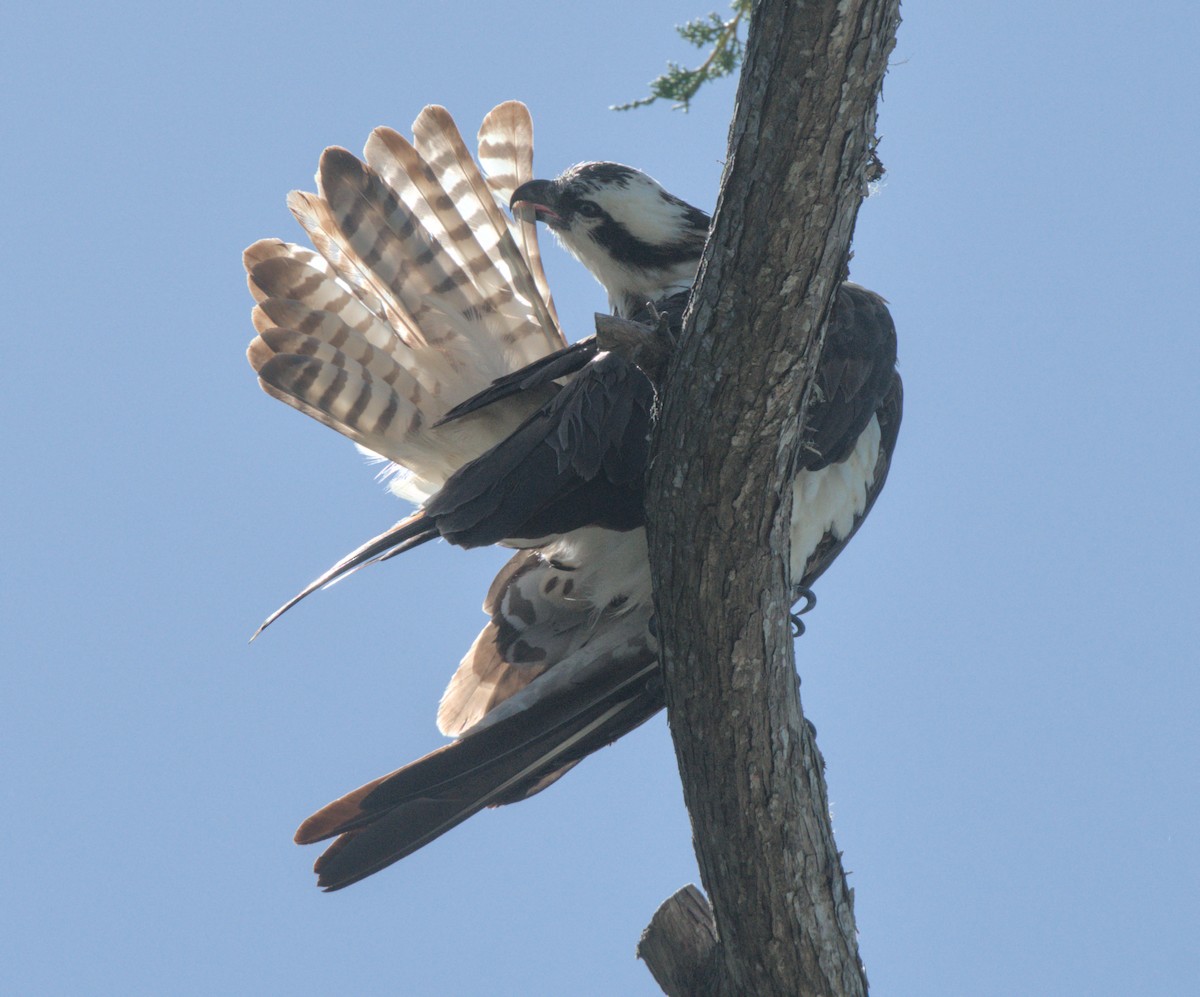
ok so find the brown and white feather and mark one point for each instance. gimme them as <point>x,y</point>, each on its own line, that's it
<point>418,296</point>
<point>506,155</point>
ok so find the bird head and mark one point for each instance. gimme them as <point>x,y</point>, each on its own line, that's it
<point>641,242</point>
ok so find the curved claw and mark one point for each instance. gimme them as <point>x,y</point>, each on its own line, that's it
<point>810,600</point>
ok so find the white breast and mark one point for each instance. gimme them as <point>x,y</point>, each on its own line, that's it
<point>829,500</point>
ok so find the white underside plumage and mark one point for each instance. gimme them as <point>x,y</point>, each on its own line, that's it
<point>831,500</point>
<point>629,289</point>
<point>609,564</point>
<point>591,592</point>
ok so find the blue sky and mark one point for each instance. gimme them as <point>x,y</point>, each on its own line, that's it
<point>1002,668</point>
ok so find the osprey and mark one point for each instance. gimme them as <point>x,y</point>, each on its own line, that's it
<point>450,364</point>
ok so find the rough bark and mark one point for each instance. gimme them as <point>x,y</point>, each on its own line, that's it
<point>800,150</point>
<point>679,945</point>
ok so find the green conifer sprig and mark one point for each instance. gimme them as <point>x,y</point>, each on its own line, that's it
<point>723,39</point>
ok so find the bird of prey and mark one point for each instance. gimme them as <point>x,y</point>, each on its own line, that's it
<point>546,455</point>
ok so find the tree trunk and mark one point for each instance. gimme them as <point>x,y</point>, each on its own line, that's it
<point>719,497</point>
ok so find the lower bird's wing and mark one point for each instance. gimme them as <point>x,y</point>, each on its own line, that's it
<point>515,751</point>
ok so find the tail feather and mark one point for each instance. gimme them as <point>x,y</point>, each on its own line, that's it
<point>352,274</point>
<point>438,141</point>
<point>274,249</point>
<point>294,288</point>
<point>283,269</point>
<point>405,535</point>
<point>291,337</point>
<point>339,393</point>
<point>364,385</point>
<point>506,155</point>
<point>408,265</point>
<point>464,228</point>
<point>277,269</point>
<point>418,292</point>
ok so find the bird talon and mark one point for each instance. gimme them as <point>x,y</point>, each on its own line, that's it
<point>810,600</point>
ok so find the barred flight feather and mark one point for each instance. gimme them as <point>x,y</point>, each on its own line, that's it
<point>417,297</point>
<point>465,231</point>
<point>506,155</point>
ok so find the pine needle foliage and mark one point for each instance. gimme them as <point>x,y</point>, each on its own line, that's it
<point>723,41</point>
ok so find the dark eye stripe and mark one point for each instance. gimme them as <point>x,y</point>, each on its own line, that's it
<point>629,249</point>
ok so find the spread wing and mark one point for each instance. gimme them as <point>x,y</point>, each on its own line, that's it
<point>420,292</point>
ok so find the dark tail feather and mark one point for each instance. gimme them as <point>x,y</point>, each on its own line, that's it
<point>405,535</point>
<point>500,761</point>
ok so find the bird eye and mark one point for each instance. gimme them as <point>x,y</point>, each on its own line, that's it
<point>589,209</point>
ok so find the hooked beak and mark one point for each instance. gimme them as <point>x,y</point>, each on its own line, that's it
<point>540,197</point>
